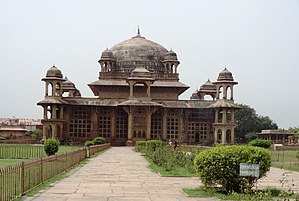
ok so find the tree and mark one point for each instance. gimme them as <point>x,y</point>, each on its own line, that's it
<point>248,121</point>
<point>37,133</point>
<point>294,129</point>
<point>251,136</point>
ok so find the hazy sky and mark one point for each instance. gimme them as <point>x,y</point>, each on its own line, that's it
<point>257,40</point>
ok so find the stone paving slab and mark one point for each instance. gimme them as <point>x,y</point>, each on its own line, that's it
<point>121,174</point>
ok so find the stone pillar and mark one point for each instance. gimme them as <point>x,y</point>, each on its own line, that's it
<point>224,116</point>
<point>45,111</point>
<point>54,89</point>
<point>45,130</point>
<point>148,90</point>
<point>217,115</point>
<point>232,115</point>
<point>54,131</point>
<point>224,92</point>
<point>54,116</point>
<point>61,112</point>
<point>94,132</point>
<point>130,126</point>
<point>216,136</point>
<point>46,88</point>
<point>232,135</point>
<point>131,90</point>
<point>148,123</point>
<point>232,92</point>
<point>223,136</point>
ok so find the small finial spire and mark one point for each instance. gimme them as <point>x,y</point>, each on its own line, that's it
<point>138,30</point>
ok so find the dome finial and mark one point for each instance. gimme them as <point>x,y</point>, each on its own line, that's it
<point>138,30</point>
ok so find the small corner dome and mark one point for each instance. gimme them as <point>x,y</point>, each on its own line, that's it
<point>170,55</point>
<point>208,86</point>
<point>67,84</point>
<point>54,72</point>
<point>107,55</point>
<point>225,75</point>
<point>140,72</point>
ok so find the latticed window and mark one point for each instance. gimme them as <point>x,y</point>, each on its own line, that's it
<point>173,125</point>
<point>121,124</point>
<point>203,130</point>
<point>156,125</point>
<point>104,123</point>
<point>197,131</point>
<point>192,130</point>
<point>80,124</point>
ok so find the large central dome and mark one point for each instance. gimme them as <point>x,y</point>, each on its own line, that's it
<point>138,52</point>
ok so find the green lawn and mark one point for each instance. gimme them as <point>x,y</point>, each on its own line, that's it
<point>178,171</point>
<point>67,148</point>
<point>255,195</point>
<point>288,160</point>
<point>7,162</point>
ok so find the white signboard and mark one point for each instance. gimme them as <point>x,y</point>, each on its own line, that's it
<point>249,170</point>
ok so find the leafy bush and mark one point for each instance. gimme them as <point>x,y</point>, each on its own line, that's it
<point>51,146</point>
<point>99,140</point>
<point>220,166</point>
<point>171,159</point>
<point>88,143</point>
<point>140,146</point>
<point>261,143</point>
<point>37,133</point>
<point>152,145</point>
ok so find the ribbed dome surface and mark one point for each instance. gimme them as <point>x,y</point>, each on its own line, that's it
<point>208,87</point>
<point>54,72</point>
<point>225,75</point>
<point>138,52</point>
<point>67,84</point>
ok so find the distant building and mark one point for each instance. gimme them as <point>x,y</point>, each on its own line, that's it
<point>278,136</point>
<point>137,98</point>
<point>10,131</point>
<point>17,127</point>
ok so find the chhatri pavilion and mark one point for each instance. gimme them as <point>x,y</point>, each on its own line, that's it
<point>136,97</point>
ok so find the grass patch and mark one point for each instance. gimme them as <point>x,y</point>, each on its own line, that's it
<point>288,160</point>
<point>7,162</point>
<point>67,148</point>
<point>265,195</point>
<point>177,171</point>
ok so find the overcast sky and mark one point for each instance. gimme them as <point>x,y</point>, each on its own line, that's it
<point>257,40</point>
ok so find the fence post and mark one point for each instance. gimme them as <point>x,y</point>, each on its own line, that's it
<point>22,178</point>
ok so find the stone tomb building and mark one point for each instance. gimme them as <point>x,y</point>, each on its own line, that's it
<point>137,98</point>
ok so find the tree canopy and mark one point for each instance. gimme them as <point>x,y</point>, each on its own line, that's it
<point>248,121</point>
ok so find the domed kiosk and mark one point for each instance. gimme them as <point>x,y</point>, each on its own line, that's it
<point>136,97</point>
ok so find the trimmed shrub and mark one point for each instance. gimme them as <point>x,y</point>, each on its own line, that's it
<point>88,143</point>
<point>99,140</point>
<point>261,143</point>
<point>220,166</point>
<point>151,145</point>
<point>140,146</point>
<point>51,146</point>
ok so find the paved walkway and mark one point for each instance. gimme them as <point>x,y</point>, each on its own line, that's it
<point>121,174</point>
